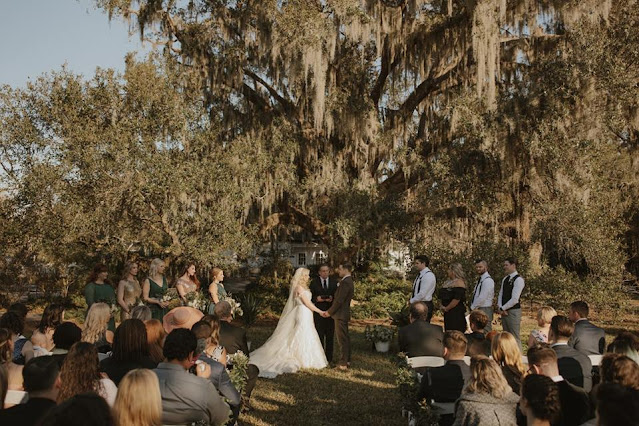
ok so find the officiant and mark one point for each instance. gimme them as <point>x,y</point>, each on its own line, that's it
<point>323,289</point>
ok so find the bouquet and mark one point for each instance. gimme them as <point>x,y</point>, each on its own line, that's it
<point>171,298</point>
<point>237,367</point>
<point>235,306</point>
<point>115,310</point>
<point>196,300</point>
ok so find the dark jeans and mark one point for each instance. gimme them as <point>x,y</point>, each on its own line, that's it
<point>325,330</point>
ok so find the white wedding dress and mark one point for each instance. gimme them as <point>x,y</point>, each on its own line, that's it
<point>294,344</point>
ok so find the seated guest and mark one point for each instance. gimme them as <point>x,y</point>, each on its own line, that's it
<point>477,342</point>
<point>540,402</point>
<point>81,373</point>
<point>13,371</point>
<point>445,383</point>
<point>96,327</point>
<point>574,366</point>
<point>219,353</point>
<point>130,351</point>
<point>617,405</point>
<point>540,335</point>
<point>575,405</point>
<point>233,339</point>
<point>4,384</point>
<point>616,368</point>
<point>139,402</point>
<point>22,347</point>
<point>80,410</point>
<point>155,336</point>
<point>187,398</point>
<point>626,343</point>
<point>487,396</point>
<point>209,350</point>
<point>505,351</point>
<point>420,338</point>
<point>42,337</point>
<point>181,317</point>
<point>141,312</point>
<point>42,382</point>
<point>65,336</point>
<point>587,338</point>
<point>20,309</point>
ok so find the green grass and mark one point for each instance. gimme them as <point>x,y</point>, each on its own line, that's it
<point>364,395</point>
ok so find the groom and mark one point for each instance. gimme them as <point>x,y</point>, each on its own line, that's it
<point>341,313</point>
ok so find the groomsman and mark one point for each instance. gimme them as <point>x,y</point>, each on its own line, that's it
<point>508,302</point>
<point>424,285</point>
<point>484,293</point>
<point>323,289</point>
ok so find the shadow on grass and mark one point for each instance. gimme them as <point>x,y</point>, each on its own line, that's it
<point>366,394</point>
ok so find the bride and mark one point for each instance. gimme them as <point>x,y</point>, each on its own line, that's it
<point>294,343</point>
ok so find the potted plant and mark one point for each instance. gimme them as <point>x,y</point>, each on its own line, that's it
<point>380,335</point>
<point>251,310</point>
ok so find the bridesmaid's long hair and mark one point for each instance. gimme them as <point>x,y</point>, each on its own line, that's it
<point>127,268</point>
<point>193,278</point>
<point>153,267</point>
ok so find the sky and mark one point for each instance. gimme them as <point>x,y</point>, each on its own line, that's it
<point>41,35</point>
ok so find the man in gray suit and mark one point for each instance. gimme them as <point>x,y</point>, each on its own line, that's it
<point>587,337</point>
<point>340,311</point>
<point>573,365</point>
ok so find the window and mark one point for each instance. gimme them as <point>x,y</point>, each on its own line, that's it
<point>301,259</point>
<point>322,257</point>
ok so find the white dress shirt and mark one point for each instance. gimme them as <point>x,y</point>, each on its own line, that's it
<point>425,282</point>
<point>518,287</point>
<point>484,292</point>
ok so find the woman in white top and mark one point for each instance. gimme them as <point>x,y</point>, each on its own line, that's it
<point>81,373</point>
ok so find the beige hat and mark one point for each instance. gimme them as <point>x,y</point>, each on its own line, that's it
<point>181,317</point>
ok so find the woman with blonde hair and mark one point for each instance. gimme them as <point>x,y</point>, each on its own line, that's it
<point>96,327</point>
<point>214,350</point>
<point>506,353</point>
<point>139,402</point>
<point>129,290</point>
<point>487,398</point>
<point>452,296</point>
<point>217,291</point>
<point>155,335</point>
<point>152,292</point>
<point>544,317</point>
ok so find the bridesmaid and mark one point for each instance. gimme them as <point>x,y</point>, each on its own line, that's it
<point>98,289</point>
<point>152,292</point>
<point>187,283</point>
<point>217,291</point>
<point>129,290</point>
<point>452,296</point>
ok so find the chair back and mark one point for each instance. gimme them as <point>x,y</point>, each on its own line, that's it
<point>425,361</point>
<point>595,359</point>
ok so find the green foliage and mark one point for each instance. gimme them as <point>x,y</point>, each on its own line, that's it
<point>251,307</point>
<point>378,295</point>
<point>239,371</point>
<point>379,333</point>
<point>408,385</point>
<point>273,285</point>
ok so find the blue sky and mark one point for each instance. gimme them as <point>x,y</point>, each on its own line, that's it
<point>41,35</point>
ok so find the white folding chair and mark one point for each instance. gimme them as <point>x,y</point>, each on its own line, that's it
<point>15,397</point>
<point>467,360</point>
<point>595,359</point>
<point>425,361</point>
<point>524,359</point>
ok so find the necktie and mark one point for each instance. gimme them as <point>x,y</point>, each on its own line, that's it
<point>477,288</point>
<point>324,286</point>
<point>415,284</point>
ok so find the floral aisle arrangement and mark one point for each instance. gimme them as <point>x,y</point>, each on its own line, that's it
<point>235,306</point>
<point>418,412</point>
<point>380,335</point>
<point>237,367</point>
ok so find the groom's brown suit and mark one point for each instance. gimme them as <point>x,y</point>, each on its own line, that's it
<point>340,311</point>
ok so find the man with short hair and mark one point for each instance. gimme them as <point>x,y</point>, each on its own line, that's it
<point>41,380</point>
<point>65,336</point>
<point>575,403</point>
<point>508,301</point>
<point>420,338</point>
<point>323,288</point>
<point>445,383</point>
<point>233,339</point>
<point>424,284</point>
<point>484,293</point>
<point>340,311</point>
<point>187,398</point>
<point>477,342</point>
<point>573,365</point>
<point>587,337</point>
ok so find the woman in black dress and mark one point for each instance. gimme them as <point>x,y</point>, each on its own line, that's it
<point>453,296</point>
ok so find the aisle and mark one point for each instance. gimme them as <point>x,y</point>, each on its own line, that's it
<point>364,395</point>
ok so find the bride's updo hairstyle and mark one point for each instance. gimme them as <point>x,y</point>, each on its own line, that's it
<point>301,278</point>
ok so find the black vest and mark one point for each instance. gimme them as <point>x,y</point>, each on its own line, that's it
<point>507,294</point>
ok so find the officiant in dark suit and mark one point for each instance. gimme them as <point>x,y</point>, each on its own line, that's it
<point>323,288</point>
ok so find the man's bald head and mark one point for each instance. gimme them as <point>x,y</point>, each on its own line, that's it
<point>419,311</point>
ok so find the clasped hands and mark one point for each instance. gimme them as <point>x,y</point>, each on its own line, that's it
<point>325,314</point>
